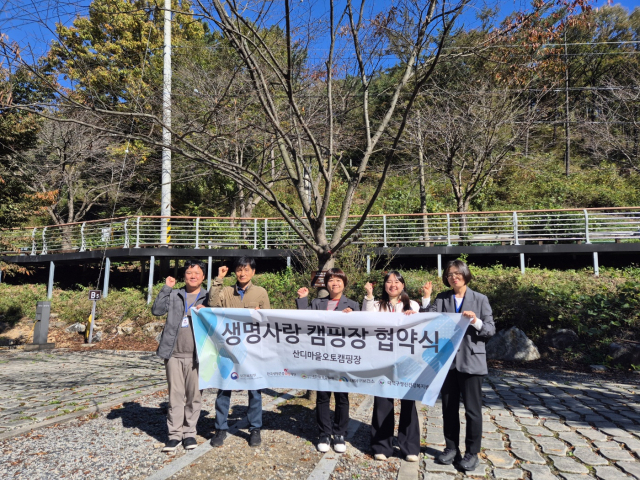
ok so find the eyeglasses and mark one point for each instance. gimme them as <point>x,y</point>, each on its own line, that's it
<point>454,274</point>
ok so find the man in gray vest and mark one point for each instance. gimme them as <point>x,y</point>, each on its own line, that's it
<point>177,348</point>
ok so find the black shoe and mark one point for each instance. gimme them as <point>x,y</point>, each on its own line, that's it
<point>189,443</point>
<point>254,438</point>
<point>469,462</point>
<point>448,456</point>
<point>171,446</point>
<point>218,439</point>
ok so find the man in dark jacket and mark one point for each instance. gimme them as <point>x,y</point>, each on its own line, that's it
<point>177,348</point>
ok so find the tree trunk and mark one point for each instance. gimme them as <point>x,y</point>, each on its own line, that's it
<point>423,197</point>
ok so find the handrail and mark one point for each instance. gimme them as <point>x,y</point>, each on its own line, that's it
<point>377,215</point>
<point>469,228</point>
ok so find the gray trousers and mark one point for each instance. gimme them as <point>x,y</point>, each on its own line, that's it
<point>185,398</point>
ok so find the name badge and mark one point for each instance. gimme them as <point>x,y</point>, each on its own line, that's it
<point>185,321</point>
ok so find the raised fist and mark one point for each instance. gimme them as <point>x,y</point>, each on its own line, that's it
<point>303,292</point>
<point>368,287</point>
<point>222,271</point>
<point>170,282</point>
<point>427,289</point>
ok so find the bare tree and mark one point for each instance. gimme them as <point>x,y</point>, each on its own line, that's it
<point>470,136</point>
<point>613,134</point>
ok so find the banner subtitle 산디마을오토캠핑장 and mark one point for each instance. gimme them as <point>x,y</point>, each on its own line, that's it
<point>384,354</point>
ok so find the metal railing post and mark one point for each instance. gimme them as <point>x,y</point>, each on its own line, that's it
<point>515,228</point>
<point>368,264</point>
<point>33,242</point>
<point>439,265</point>
<point>52,268</point>
<point>586,227</point>
<point>255,233</point>
<point>83,240</point>
<point>107,274</point>
<point>448,230</point>
<point>197,232</point>
<point>44,242</point>
<point>137,233</point>
<point>152,265</point>
<point>126,235</point>
<point>266,236</point>
<point>596,266</point>
<point>522,263</point>
<point>384,229</point>
<point>210,260</point>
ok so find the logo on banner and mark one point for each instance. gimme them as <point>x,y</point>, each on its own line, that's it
<point>303,376</point>
<point>344,379</point>
<point>286,372</point>
<point>234,376</point>
<point>381,382</point>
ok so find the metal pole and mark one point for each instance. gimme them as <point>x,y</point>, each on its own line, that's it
<point>197,232</point>
<point>448,230</point>
<point>83,241</point>
<point>515,228</point>
<point>596,267</point>
<point>255,233</point>
<point>368,264</point>
<point>384,229</point>
<point>138,232</point>
<point>522,263</point>
<point>586,226</point>
<point>107,272</point>
<point>93,320</point>
<point>33,242</point>
<point>209,273</point>
<point>439,265</point>
<point>288,262</point>
<point>152,264</point>
<point>52,268</point>
<point>165,196</point>
<point>44,241</point>
<point>266,240</point>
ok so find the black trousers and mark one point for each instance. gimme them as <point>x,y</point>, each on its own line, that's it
<point>470,386</point>
<point>382,427</point>
<point>323,413</point>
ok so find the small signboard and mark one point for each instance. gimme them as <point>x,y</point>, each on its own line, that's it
<point>317,279</point>
<point>95,295</point>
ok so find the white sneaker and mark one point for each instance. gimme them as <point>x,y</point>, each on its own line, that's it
<point>411,458</point>
<point>380,456</point>
<point>323,444</point>
<point>339,446</point>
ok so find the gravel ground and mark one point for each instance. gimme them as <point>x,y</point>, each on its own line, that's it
<point>288,448</point>
<point>122,443</point>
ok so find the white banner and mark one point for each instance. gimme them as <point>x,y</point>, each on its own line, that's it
<point>384,354</point>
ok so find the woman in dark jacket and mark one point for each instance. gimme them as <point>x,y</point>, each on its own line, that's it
<point>336,281</point>
<point>469,366</point>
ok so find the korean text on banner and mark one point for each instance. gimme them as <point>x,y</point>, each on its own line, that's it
<point>385,354</point>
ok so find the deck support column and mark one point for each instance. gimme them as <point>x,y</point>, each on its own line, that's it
<point>152,264</point>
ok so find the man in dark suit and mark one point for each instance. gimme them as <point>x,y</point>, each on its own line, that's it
<point>468,367</point>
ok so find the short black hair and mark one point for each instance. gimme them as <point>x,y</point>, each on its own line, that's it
<point>194,262</point>
<point>244,261</point>
<point>338,273</point>
<point>462,268</point>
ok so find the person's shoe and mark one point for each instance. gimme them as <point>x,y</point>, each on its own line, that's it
<point>411,458</point>
<point>171,446</point>
<point>338,444</point>
<point>380,456</point>
<point>189,443</point>
<point>469,462</point>
<point>323,444</point>
<point>254,438</point>
<point>448,456</point>
<point>218,438</point>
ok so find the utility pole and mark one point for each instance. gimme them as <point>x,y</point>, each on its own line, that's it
<point>165,196</point>
<point>567,139</point>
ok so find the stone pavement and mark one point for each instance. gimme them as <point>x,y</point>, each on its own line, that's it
<point>38,386</point>
<point>543,427</point>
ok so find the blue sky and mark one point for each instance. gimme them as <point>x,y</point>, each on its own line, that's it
<point>31,23</point>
